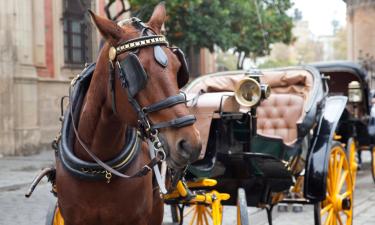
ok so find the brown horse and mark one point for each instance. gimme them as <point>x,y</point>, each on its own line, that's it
<point>124,201</point>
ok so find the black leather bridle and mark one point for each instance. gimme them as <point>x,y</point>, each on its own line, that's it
<point>133,79</point>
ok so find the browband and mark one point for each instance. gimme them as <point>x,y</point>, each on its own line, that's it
<point>137,43</point>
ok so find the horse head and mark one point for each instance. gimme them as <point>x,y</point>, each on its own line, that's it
<point>145,76</point>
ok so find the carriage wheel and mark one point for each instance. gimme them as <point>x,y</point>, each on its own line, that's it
<point>58,219</point>
<point>337,208</point>
<point>373,162</point>
<point>199,214</point>
<point>242,214</point>
<point>54,216</point>
<point>351,149</point>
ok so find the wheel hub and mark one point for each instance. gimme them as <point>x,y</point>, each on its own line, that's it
<point>346,204</point>
<point>340,204</point>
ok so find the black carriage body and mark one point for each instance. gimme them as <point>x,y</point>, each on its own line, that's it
<point>261,164</point>
<point>350,125</point>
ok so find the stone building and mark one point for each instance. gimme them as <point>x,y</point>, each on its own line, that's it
<point>43,44</point>
<point>361,28</point>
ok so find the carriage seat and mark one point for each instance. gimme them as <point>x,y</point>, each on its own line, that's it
<point>280,114</point>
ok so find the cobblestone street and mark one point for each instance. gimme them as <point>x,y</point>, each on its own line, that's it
<point>17,172</point>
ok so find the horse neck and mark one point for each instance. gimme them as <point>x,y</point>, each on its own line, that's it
<point>98,127</point>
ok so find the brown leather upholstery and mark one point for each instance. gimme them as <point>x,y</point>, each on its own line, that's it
<point>279,115</point>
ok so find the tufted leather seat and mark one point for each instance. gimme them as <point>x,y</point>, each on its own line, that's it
<point>278,116</point>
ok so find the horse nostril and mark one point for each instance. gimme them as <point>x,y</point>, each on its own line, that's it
<point>187,150</point>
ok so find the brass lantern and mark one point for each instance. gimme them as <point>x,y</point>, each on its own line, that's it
<point>249,92</point>
<point>354,92</point>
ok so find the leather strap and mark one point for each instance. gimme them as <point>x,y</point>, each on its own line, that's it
<point>179,122</point>
<point>166,103</point>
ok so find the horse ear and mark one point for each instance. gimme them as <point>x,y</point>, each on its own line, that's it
<point>158,17</point>
<point>107,28</point>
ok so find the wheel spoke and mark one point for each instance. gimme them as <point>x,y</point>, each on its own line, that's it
<point>329,199</point>
<point>345,194</point>
<point>328,219</point>
<point>190,210</point>
<point>205,217</point>
<point>339,219</point>
<point>209,212</point>
<point>341,182</point>
<point>194,216</point>
<point>339,168</point>
<point>325,209</point>
<point>329,184</point>
<point>199,219</point>
<point>334,171</point>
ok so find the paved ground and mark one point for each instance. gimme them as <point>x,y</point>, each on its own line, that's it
<point>17,172</point>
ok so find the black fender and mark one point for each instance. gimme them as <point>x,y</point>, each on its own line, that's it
<point>371,125</point>
<point>318,157</point>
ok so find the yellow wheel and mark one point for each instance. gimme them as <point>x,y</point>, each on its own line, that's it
<point>58,219</point>
<point>351,149</point>
<point>337,208</point>
<point>373,162</point>
<point>200,214</point>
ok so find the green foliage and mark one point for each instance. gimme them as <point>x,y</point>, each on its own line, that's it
<point>227,24</point>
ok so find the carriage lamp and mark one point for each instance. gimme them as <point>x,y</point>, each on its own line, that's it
<point>249,92</point>
<point>354,92</point>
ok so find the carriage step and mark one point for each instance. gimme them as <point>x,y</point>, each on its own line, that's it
<point>297,208</point>
<point>282,207</point>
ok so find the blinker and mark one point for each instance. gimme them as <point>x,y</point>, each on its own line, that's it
<point>160,56</point>
<point>133,75</point>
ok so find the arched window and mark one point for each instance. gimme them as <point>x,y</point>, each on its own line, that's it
<point>77,32</point>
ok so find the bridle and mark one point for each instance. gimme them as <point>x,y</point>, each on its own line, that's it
<point>133,79</point>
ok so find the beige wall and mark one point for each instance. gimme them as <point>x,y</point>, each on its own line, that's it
<point>29,104</point>
<point>361,28</point>
<point>7,57</point>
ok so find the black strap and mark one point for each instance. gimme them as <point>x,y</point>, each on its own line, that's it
<point>166,103</point>
<point>179,122</point>
<point>112,86</point>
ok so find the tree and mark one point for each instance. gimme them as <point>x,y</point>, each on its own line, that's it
<point>248,26</point>
<point>258,25</point>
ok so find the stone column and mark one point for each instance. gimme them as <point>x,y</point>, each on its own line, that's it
<point>7,68</point>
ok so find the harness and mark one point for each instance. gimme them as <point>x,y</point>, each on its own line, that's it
<point>133,78</point>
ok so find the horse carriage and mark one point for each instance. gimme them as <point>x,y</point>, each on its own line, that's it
<point>265,134</point>
<point>356,127</point>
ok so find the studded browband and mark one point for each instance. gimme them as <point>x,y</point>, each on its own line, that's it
<point>137,43</point>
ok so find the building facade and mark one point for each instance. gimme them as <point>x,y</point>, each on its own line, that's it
<point>43,44</point>
<point>361,28</point>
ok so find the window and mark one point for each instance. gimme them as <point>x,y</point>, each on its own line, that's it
<point>77,32</point>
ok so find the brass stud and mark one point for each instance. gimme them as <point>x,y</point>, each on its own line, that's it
<point>112,53</point>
